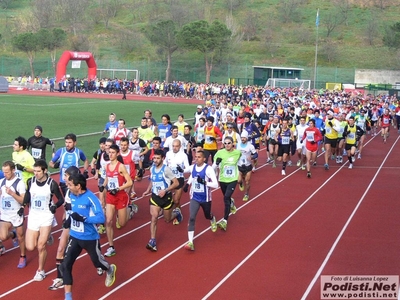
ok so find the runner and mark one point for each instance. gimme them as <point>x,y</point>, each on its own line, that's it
<point>248,154</point>
<point>352,133</point>
<point>312,135</point>
<point>384,122</point>
<point>227,161</point>
<point>202,178</point>
<point>162,183</point>
<point>37,143</point>
<point>38,196</point>
<point>284,135</point>
<point>300,147</point>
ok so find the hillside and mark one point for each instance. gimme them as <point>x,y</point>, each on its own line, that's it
<point>265,32</point>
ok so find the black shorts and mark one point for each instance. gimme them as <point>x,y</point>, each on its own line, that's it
<point>245,169</point>
<point>331,142</point>
<point>165,202</point>
<point>181,181</point>
<point>349,146</point>
<point>283,149</point>
<point>256,146</point>
<point>272,142</point>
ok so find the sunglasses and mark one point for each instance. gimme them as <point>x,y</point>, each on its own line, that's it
<point>227,143</point>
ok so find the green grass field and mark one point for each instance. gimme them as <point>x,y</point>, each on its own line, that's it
<point>82,116</point>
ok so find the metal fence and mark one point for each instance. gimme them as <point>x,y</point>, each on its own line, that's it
<point>191,70</point>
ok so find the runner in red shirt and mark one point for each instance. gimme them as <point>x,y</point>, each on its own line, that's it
<point>312,135</point>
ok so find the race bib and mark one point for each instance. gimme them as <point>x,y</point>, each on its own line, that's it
<point>77,226</point>
<point>38,203</point>
<point>198,187</point>
<point>230,171</point>
<point>18,173</point>
<point>310,136</point>
<point>385,121</point>
<point>128,168</point>
<point>112,183</point>
<point>328,130</point>
<point>351,136</point>
<point>36,153</point>
<point>285,140</point>
<point>9,203</point>
<point>208,139</point>
<point>157,186</point>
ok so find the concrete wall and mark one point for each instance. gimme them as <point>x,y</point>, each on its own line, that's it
<point>366,76</point>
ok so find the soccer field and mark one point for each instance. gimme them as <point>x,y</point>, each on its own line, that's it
<point>86,117</point>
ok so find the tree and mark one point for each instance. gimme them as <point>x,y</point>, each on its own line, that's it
<point>42,14</point>
<point>371,29</point>
<point>210,40</point>
<point>28,43</point>
<point>391,38</point>
<point>332,20</point>
<point>163,36</point>
<point>289,10</point>
<point>5,3</point>
<point>52,40</point>
<point>107,9</point>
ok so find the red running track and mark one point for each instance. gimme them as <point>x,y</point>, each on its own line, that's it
<point>277,245</point>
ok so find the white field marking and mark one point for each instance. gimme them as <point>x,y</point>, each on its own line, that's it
<point>317,275</point>
<point>79,135</point>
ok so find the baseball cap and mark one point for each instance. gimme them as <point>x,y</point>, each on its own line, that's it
<point>39,127</point>
<point>199,106</point>
<point>330,112</point>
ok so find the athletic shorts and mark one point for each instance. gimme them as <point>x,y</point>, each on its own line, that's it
<point>331,142</point>
<point>37,220</point>
<point>349,146</point>
<point>245,169</point>
<point>283,149</point>
<point>256,146</point>
<point>14,219</point>
<point>181,181</point>
<point>120,200</point>
<point>165,202</point>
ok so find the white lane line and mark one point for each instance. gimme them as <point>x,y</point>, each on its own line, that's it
<point>201,233</point>
<point>317,275</point>
<point>274,231</point>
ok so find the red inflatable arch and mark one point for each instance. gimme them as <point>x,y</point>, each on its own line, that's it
<point>71,55</point>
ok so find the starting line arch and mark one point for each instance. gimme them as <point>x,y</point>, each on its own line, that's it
<point>73,55</point>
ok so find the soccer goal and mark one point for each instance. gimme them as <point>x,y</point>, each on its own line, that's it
<point>128,74</point>
<point>288,83</point>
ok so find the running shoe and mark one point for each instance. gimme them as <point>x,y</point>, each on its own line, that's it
<point>100,271</point>
<point>246,197</point>
<point>333,157</point>
<point>341,159</point>
<point>326,166</point>
<point>117,223</point>
<point>241,186</point>
<point>308,174</point>
<point>179,216</point>
<point>350,166</point>
<point>50,240</point>
<point>152,246</point>
<point>213,224</point>
<point>2,250</point>
<point>15,240</point>
<point>39,276</point>
<point>135,208</point>
<point>337,160</point>
<point>233,207</point>
<point>359,156</point>
<point>299,163</point>
<point>131,212</point>
<point>223,224</point>
<point>303,167</point>
<point>101,229</point>
<point>21,263</point>
<point>189,246</point>
<point>110,252</point>
<point>274,165</point>
<point>110,275</point>
<point>283,172</point>
<point>314,163</point>
<point>57,284</point>
<point>289,163</point>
